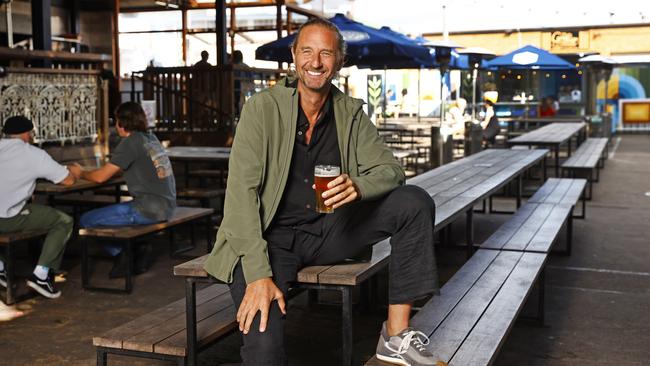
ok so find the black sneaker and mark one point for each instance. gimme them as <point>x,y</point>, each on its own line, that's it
<point>44,287</point>
<point>3,278</point>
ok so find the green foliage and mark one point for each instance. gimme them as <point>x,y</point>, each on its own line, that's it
<point>374,91</point>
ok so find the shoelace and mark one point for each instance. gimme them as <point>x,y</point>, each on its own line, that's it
<point>419,340</point>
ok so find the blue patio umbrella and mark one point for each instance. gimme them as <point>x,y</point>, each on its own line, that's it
<point>530,57</point>
<point>366,47</point>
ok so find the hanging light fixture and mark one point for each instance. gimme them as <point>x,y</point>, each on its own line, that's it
<point>173,4</point>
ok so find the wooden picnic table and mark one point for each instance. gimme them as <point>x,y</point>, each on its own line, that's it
<point>50,189</point>
<point>525,124</point>
<point>458,186</point>
<point>198,154</point>
<point>553,136</point>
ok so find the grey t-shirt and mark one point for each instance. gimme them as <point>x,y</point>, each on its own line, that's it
<point>148,174</point>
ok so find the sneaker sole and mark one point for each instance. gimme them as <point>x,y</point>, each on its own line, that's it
<point>393,360</point>
<point>38,289</point>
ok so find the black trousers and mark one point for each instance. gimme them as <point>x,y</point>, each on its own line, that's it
<point>407,215</point>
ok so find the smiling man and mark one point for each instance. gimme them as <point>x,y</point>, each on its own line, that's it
<point>271,229</point>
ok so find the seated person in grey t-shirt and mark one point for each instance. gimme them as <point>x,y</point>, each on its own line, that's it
<point>148,174</point>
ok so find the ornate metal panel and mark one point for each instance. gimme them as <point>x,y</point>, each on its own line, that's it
<point>64,107</point>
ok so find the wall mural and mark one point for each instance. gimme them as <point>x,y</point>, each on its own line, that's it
<point>63,107</point>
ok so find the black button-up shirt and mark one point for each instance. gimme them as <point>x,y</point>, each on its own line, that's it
<point>297,207</point>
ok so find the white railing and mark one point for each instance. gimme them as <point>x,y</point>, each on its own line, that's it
<point>64,105</point>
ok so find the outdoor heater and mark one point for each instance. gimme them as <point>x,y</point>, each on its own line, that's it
<point>602,68</point>
<point>475,56</point>
<point>442,51</point>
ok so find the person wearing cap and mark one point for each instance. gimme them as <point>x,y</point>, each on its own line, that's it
<point>21,164</point>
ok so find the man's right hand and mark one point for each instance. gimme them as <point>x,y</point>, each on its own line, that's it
<point>75,170</point>
<point>258,297</point>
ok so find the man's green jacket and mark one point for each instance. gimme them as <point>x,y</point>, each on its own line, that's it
<point>259,166</point>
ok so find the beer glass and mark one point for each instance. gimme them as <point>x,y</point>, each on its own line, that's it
<point>323,174</point>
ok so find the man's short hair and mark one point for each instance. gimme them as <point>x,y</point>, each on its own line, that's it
<point>131,117</point>
<point>340,42</point>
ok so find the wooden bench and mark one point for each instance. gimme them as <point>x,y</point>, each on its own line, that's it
<point>162,334</point>
<point>562,191</point>
<point>9,241</point>
<point>468,322</point>
<point>203,195</point>
<point>205,174</point>
<point>589,157</point>
<point>340,277</point>
<point>126,236</point>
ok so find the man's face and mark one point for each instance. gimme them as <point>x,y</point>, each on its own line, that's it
<point>315,56</point>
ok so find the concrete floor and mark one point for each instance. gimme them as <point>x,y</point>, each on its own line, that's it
<point>597,300</point>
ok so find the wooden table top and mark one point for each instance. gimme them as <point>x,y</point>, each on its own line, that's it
<point>554,133</point>
<point>457,186</point>
<point>198,153</point>
<point>78,186</point>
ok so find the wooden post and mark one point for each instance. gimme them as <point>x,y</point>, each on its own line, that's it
<point>233,30</point>
<point>103,137</point>
<point>116,49</point>
<point>42,28</point>
<point>220,32</point>
<point>184,34</point>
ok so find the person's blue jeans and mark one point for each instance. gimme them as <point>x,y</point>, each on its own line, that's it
<point>119,214</point>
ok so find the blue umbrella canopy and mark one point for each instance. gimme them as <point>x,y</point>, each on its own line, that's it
<point>366,47</point>
<point>530,57</point>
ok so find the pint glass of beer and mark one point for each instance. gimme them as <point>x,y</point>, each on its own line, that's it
<point>323,174</point>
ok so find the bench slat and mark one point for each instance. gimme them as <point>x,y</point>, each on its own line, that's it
<point>310,274</point>
<point>6,238</point>
<point>485,340</point>
<point>545,236</point>
<point>208,330</point>
<point>146,341</point>
<point>436,309</point>
<point>533,228</point>
<point>354,273</point>
<point>446,339</point>
<point>587,155</point>
<point>529,228</point>
<point>192,268</point>
<point>181,215</point>
<point>200,193</point>
<point>114,338</point>
<point>507,230</point>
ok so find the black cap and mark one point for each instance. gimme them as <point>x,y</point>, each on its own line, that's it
<point>16,125</point>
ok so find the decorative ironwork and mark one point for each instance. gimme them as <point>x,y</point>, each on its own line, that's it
<point>63,106</point>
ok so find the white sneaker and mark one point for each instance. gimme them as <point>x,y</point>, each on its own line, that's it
<point>407,348</point>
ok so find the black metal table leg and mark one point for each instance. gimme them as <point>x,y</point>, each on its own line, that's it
<point>190,319</point>
<point>557,160</point>
<point>128,280</point>
<point>101,357</point>
<point>84,262</point>
<point>519,190</point>
<point>347,335</point>
<point>469,232</point>
<point>541,282</point>
<point>9,271</point>
<point>569,233</point>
